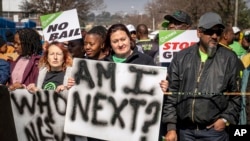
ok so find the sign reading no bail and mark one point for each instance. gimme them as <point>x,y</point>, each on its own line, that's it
<point>61,26</point>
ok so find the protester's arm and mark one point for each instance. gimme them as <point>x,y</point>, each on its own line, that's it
<point>169,116</point>
<point>4,72</point>
<point>231,114</point>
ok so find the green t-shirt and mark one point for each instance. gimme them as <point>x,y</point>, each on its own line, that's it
<point>238,49</point>
<point>118,60</point>
<point>203,55</point>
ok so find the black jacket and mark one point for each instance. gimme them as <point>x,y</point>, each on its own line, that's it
<point>200,101</point>
<point>135,58</point>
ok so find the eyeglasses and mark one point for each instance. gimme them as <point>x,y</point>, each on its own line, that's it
<point>211,32</point>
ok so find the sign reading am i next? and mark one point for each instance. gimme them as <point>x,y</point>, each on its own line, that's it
<point>61,26</point>
<point>115,101</point>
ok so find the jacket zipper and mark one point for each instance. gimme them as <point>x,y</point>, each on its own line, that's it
<point>196,88</point>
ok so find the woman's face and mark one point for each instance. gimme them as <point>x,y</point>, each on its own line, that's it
<point>55,58</point>
<point>93,45</point>
<point>120,43</point>
<point>17,44</point>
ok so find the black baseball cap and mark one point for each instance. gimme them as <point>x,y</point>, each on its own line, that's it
<point>179,16</point>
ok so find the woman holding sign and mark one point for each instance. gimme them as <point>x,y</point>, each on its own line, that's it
<point>53,64</point>
<point>124,49</point>
<point>24,70</point>
<point>94,47</point>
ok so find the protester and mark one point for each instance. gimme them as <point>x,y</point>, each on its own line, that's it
<point>227,37</point>
<point>52,68</point>
<point>4,65</point>
<point>132,31</point>
<point>149,47</point>
<point>94,43</point>
<point>25,69</point>
<point>245,112</point>
<point>4,50</point>
<point>12,55</point>
<point>75,48</point>
<point>198,76</point>
<point>94,47</point>
<point>179,20</point>
<point>236,45</point>
<point>121,43</point>
<point>119,39</point>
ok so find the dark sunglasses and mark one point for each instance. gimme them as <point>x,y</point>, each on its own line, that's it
<point>211,32</point>
<point>133,32</point>
<point>247,37</point>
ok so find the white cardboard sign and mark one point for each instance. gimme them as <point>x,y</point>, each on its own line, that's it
<point>115,101</point>
<point>172,41</point>
<point>61,26</point>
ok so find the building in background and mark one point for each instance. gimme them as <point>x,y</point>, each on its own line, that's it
<point>12,11</point>
<point>14,18</point>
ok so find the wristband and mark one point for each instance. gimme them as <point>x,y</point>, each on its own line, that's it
<point>225,121</point>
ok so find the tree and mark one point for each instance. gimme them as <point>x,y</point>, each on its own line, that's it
<point>196,8</point>
<point>44,7</point>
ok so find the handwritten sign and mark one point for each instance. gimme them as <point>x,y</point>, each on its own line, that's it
<point>115,101</point>
<point>39,117</point>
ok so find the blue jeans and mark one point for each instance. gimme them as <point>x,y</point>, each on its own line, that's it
<point>202,135</point>
<point>244,83</point>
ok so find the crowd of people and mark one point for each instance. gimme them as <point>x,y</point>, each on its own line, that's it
<point>198,77</point>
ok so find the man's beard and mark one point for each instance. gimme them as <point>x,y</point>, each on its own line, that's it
<point>211,50</point>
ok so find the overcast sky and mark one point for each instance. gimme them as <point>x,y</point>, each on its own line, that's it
<point>112,6</point>
<point>127,6</point>
<point>11,5</point>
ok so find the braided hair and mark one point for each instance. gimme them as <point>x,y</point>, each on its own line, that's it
<point>99,30</point>
<point>30,42</point>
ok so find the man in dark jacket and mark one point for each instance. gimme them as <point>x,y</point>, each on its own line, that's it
<point>198,77</point>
